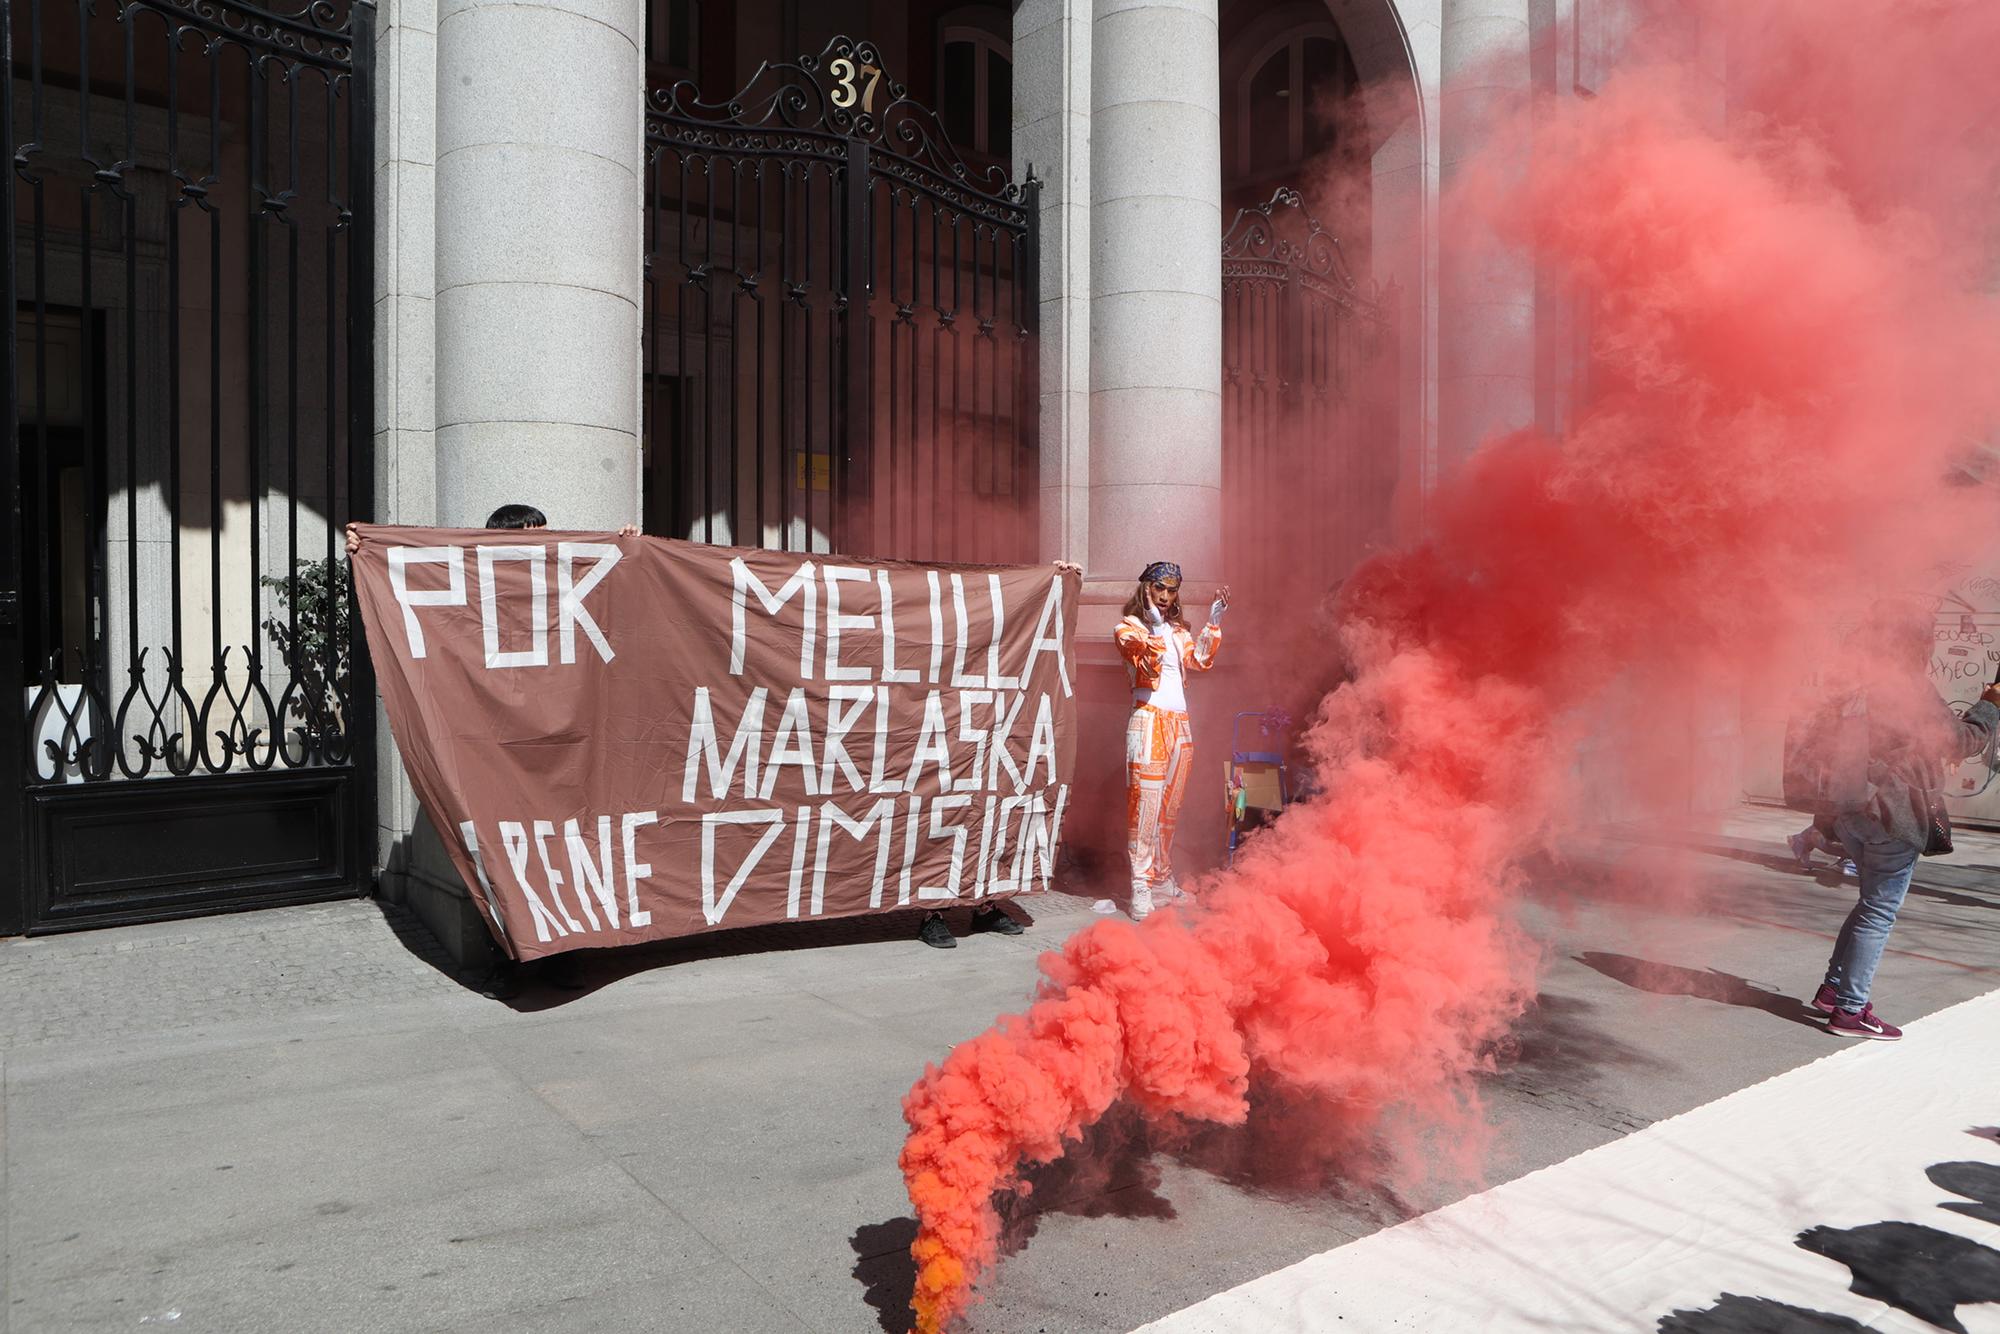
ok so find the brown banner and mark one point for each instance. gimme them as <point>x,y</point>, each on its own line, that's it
<point>624,739</point>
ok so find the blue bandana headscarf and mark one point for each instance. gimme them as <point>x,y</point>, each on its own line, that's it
<point>1158,570</point>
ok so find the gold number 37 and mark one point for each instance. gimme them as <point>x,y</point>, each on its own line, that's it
<point>845,73</point>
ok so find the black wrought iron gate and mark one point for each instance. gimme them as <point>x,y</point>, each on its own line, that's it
<point>1309,391</point>
<point>840,322</point>
<point>185,722</point>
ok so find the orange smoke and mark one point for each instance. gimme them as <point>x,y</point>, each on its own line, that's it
<point>1793,377</point>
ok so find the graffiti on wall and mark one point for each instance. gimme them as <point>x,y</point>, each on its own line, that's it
<point>1963,662</point>
<point>1964,659</point>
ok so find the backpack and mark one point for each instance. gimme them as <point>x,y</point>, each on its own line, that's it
<point>1826,757</point>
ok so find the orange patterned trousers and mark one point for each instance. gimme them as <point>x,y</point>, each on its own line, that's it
<point>1158,749</point>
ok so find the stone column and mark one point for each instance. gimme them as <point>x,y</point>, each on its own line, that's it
<point>1155,292</point>
<point>540,123</point>
<point>529,306</point>
<point>405,384</point>
<point>1052,136</point>
<point>1486,294</point>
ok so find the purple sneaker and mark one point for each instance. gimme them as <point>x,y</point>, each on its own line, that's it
<point>1826,1000</point>
<point>1862,1023</point>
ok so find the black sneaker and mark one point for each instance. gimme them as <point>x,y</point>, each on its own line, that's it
<point>991,918</point>
<point>936,934</point>
<point>503,981</point>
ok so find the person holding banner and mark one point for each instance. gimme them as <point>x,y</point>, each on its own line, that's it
<point>934,931</point>
<point>507,516</point>
<point>504,977</point>
<point>1159,651</point>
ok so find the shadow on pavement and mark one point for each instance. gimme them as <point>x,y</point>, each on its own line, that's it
<point>1554,1040</point>
<point>1952,897</point>
<point>1110,1173</point>
<point>414,936</point>
<point>1665,979</point>
<point>1291,1146</point>
<point>886,1270</point>
<point>555,981</point>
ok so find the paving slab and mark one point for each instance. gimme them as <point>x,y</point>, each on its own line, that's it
<point>298,1120</point>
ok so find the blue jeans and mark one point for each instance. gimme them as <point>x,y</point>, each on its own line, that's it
<point>1885,865</point>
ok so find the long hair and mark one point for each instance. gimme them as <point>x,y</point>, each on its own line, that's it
<point>1137,604</point>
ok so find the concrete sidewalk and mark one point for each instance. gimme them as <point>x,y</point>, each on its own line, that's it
<point>296,1121</point>
<point>1725,1218</point>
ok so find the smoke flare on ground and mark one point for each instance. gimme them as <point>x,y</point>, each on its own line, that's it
<point>1794,378</point>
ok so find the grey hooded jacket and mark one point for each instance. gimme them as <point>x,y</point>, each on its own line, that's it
<point>1907,761</point>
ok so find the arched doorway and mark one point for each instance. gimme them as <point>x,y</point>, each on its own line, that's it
<point>1312,382</point>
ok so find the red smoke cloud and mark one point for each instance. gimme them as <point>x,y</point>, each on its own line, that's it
<point>1795,375</point>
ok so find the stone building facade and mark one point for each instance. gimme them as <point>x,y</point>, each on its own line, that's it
<point>513,216</point>
<point>1140,279</point>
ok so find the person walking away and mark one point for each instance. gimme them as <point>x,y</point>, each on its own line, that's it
<point>504,978</point>
<point>1913,737</point>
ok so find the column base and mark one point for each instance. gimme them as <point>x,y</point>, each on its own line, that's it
<point>419,876</point>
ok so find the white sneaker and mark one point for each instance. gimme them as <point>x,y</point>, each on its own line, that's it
<point>1142,903</point>
<point>1170,891</point>
<point>1105,907</point>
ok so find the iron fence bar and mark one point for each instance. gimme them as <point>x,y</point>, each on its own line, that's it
<point>1027,416</point>
<point>757,392</point>
<point>45,603</point>
<point>89,743</point>
<point>704,497</point>
<point>357,731</point>
<point>736,297</point>
<point>14,728</point>
<point>956,483</point>
<point>839,247</point>
<point>904,483</point>
<point>806,378</point>
<point>683,403</point>
<point>855,476</point>
<point>280,721</point>
<point>887,501</point>
<point>940,324</point>
<point>178,751</point>
<point>259,206</point>
<point>216,659</point>
<point>129,764</point>
<point>661,439</point>
<point>322,698</point>
<point>984,357</point>
<point>785,279</point>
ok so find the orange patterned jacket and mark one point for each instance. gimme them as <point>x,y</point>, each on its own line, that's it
<point>1143,650</point>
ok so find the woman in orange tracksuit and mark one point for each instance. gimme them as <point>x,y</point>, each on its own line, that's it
<point>1159,651</point>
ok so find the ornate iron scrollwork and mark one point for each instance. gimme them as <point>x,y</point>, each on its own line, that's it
<point>797,107</point>
<point>321,33</point>
<point>1264,242</point>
